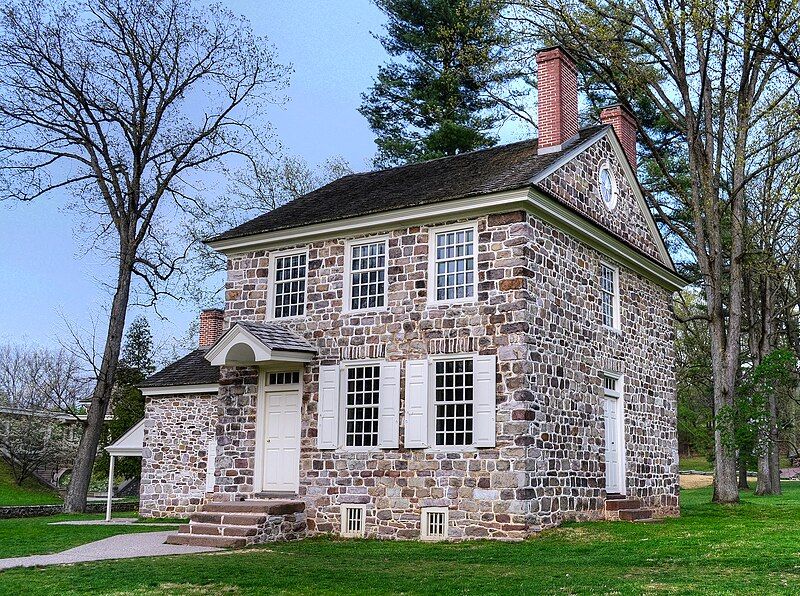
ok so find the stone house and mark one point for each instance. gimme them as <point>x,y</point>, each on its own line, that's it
<point>475,346</point>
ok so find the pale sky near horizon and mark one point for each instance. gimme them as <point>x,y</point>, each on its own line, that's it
<point>47,276</point>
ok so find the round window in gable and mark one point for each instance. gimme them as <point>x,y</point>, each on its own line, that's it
<point>608,186</point>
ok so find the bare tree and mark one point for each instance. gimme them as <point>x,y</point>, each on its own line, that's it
<point>698,72</point>
<point>36,388</point>
<point>121,103</point>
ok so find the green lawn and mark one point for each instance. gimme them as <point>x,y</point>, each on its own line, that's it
<point>698,463</point>
<point>35,536</point>
<point>32,492</point>
<point>753,548</point>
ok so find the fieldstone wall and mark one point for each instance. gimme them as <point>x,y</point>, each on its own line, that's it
<point>538,309</point>
<point>177,432</point>
<point>576,183</point>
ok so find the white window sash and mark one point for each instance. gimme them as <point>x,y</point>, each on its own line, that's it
<point>433,262</point>
<point>348,273</point>
<point>273,285</point>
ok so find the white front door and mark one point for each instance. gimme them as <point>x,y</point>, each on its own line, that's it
<point>614,446</point>
<point>280,463</point>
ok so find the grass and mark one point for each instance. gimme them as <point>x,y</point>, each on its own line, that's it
<point>752,547</point>
<point>699,463</point>
<point>32,492</point>
<point>36,536</point>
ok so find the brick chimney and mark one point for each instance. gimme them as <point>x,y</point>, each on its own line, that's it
<point>624,125</point>
<point>211,320</point>
<point>558,99</point>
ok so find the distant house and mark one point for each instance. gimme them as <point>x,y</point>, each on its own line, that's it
<point>474,346</point>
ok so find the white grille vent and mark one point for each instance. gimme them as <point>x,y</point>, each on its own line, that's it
<point>353,520</point>
<point>435,521</point>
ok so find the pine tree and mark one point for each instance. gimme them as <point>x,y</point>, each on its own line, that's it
<point>442,96</point>
<point>127,401</point>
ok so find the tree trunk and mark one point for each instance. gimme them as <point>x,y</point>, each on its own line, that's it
<point>743,476</point>
<point>75,499</point>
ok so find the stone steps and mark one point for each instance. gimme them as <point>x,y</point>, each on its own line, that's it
<point>624,508</point>
<point>236,524</point>
<point>203,540</point>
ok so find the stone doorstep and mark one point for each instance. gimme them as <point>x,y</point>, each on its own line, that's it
<point>229,519</point>
<point>618,504</point>
<point>217,529</point>
<point>635,514</point>
<point>269,507</point>
<point>206,540</point>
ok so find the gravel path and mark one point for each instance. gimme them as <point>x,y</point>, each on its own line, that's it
<point>122,546</point>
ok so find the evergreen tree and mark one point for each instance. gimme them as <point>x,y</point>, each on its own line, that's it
<point>443,95</point>
<point>127,401</point>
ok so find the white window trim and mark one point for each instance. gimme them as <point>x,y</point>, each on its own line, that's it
<point>432,232</point>
<point>606,165</point>
<point>343,528</point>
<point>348,270</point>
<point>423,533</point>
<point>619,395</point>
<point>343,367</point>
<point>617,323</point>
<point>432,446</point>
<point>271,282</point>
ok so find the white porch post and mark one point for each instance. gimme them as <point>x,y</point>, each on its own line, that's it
<point>110,488</point>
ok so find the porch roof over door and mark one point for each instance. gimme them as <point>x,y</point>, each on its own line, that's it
<point>247,343</point>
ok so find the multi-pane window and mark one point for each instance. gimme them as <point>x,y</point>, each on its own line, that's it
<point>284,378</point>
<point>608,295</point>
<point>454,269</point>
<point>453,402</point>
<point>361,408</point>
<point>368,275</point>
<point>290,286</point>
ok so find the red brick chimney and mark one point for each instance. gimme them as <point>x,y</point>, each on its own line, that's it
<point>211,320</point>
<point>624,125</point>
<point>558,99</point>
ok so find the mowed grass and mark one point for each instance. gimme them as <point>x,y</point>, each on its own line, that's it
<point>698,463</point>
<point>750,548</point>
<point>36,536</point>
<point>32,492</point>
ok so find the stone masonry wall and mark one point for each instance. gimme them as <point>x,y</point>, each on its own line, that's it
<point>576,183</point>
<point>538,309</point>
<point>177,433</point>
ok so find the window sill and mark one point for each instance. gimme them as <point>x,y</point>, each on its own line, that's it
<point>614,330</point>
<point>454,449</point>
<point>366,311</point>
<point>445,303</point>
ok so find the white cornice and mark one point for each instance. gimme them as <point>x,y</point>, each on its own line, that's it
<point>181,389</point>
<point>374,222</point>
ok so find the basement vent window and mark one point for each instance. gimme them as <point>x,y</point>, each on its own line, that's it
<point>435,521</point>
<point>353,520</point>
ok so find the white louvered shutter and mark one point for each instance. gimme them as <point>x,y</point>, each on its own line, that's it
<point>211,464</point>
<point>485,401</point>
<point>416,426</point>
<point>389,406</point>
<point>328,407</point>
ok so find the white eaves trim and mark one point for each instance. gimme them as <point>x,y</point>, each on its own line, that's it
<point>375,222</point>
<point>180,389</point>
<point>630,176</point>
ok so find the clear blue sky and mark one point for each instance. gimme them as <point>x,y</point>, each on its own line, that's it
<point>46,275</point>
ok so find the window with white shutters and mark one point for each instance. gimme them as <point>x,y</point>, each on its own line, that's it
<point>289,285</point>
<point>359,406</point>
<point>367,277</point>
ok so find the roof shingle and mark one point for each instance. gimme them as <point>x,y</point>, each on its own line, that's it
<point>496,169</point>
<point>192,369</point>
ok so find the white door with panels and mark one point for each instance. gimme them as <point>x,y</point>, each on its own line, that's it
<point>614,435</point>
<point>280,463</point>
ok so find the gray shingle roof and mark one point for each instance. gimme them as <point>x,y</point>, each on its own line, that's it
<point>496,169</point>
<point>276,337</point>
<point>192,369</point>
